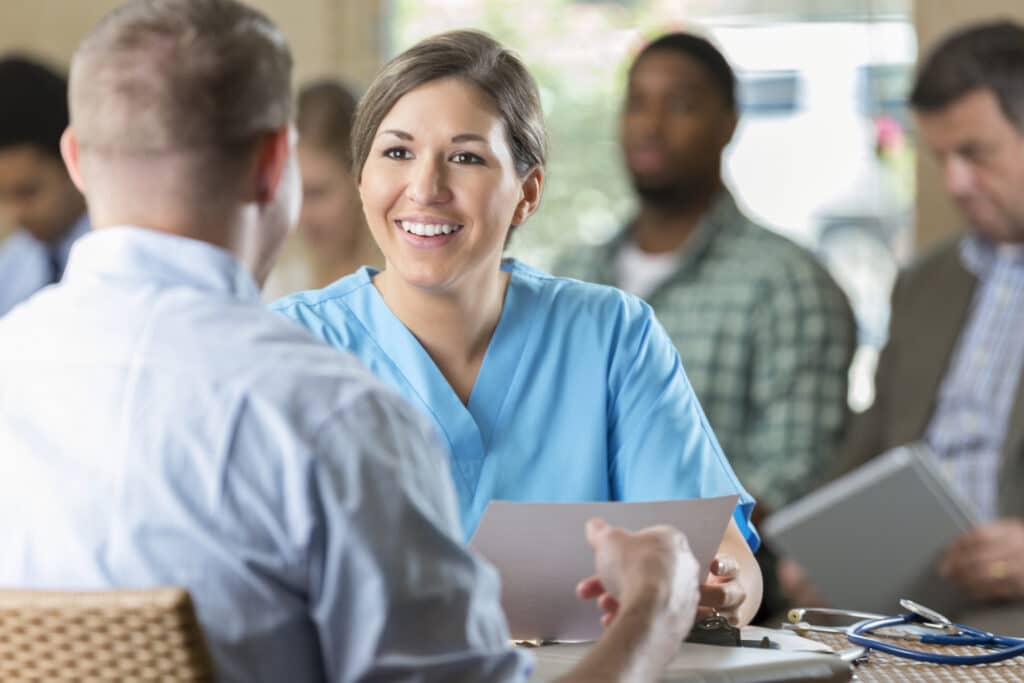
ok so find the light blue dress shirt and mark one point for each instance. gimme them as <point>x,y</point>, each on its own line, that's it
<point>26,263</point>
<point>972,411</point>
<point>581,396</point>
<point>158,426</point>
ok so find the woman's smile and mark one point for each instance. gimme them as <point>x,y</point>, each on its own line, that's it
<point>428,234</point>
<point>441,192</point>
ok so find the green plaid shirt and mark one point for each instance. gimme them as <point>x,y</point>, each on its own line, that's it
<point>766,337</point>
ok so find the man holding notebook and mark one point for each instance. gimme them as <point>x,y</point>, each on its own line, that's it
<point>950,376</point>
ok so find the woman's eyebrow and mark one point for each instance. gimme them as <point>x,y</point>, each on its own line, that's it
<point>460,138</point>
<point>397,133</point>
<point>469,137</point>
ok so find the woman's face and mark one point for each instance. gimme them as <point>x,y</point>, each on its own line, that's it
<point>331,213</point>
<point>440,188</point>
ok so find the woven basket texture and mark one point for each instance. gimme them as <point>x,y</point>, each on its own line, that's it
<point>131,635</point>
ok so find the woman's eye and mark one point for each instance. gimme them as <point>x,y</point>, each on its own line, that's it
<point>467,158</point>
<point>397,153</point>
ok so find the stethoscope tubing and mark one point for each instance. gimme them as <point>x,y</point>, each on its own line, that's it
<point>1003,647</point>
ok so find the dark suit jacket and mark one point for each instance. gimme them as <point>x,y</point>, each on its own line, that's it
<point>930,304</point>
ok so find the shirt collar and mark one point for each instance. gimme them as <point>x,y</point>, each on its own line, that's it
<point>128,253</point>
<point>62,249</point>
<point>722,215</point>
<point>980,255</point>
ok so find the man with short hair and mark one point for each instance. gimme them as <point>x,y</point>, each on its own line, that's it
<point>158,426</point>
<point>950,375</point>
<point>35,190</point>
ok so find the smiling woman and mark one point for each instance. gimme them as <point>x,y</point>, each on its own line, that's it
<point>441,194</point>
<point>541,388</point>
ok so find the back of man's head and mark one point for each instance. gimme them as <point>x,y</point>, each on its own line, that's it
<point>983,56</point>
<point>35,105</point>
<point>203,80</point>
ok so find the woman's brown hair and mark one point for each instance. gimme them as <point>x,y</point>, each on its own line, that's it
<point>473,57</point>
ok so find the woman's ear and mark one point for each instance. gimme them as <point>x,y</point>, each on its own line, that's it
<point>532,186</point>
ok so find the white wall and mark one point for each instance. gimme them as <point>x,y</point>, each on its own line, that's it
<point>339,37</point>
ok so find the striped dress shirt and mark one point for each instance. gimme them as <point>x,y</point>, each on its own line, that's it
<point>972,410</point>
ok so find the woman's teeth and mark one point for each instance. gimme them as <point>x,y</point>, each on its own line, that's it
<point>429,229</point>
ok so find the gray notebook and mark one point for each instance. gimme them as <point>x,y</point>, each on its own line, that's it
<point>876,535</point>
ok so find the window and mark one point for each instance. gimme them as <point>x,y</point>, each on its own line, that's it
<point>769,93</point>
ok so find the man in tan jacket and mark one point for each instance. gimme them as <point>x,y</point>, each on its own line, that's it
<point>950,374</point>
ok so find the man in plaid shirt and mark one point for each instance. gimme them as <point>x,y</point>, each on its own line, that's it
<point>765,334</point>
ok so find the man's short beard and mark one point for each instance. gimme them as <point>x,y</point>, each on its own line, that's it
<point>669,196</point>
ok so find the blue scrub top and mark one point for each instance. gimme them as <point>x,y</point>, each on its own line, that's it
<point>581,395</point>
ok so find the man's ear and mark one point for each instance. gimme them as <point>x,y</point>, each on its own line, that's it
<point>729,124</point>
<point>69,151</point>
<point>532,186</point>
<point>271,161</point>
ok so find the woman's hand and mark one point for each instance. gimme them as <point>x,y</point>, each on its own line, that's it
<point>722,591</point>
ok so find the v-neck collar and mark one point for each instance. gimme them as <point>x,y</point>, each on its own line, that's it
<point>468,428</point>
<point>722,217</point>
<point>500,361</point>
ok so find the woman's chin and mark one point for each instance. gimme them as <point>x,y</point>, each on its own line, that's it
<point>422,276</point>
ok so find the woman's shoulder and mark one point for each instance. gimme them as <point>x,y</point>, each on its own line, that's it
<point>322,301</point>
<point>594,314</point>
<point>333,313</point>
<point>570,294</point>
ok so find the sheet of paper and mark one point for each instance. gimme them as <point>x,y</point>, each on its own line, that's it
<point>540,552</point>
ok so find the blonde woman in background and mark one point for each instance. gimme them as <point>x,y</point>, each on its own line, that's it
<point>333,239</point>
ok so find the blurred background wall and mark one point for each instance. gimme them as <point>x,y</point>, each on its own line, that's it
<point>328,36</point>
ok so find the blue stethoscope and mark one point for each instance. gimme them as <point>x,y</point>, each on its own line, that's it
<point>928,627</point>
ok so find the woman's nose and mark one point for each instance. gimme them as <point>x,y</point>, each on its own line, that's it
<point>429,183</point>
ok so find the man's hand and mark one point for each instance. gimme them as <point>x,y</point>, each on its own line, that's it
<point>988,561</point>
<point>646,586</point>
<point>652,569</point>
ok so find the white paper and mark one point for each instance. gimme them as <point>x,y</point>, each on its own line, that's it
<point>541,554</point>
